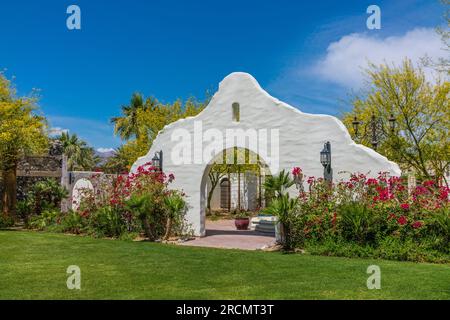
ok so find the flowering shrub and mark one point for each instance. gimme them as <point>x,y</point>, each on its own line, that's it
<point>120,206</point>
<point>367,211</point>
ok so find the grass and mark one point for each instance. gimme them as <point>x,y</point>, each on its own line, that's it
<point>33,266</point>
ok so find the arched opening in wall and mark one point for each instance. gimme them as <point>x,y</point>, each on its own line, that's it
<point>81,189</point>
<point>232,188</point>
<point>225,199</point>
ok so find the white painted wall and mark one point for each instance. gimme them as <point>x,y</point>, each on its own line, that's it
<point>301,138</point>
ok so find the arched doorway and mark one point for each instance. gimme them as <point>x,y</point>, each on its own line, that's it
<point>233,186</point>
<point>225,199</point>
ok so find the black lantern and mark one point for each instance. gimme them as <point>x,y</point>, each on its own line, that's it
<point>374,130</point>
<point>325,160</point>
<point>392,121</point>
<point>356,124</point>
<point>157,160</point>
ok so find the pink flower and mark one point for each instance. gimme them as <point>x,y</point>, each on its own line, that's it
<point>402,220</point>
<point>417,225</point>
<point>404,206</point>
<point>296,171</point>
<point>391,216</point>
<point>428,183</point>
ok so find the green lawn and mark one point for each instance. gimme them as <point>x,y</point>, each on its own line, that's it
<point>33,266</point>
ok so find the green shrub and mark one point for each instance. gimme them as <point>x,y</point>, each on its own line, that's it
<point>392,248</point>
<point>43,196</point>
<point>356,222</point>
<point>72,222</point>
<point>47,220</point>
<point>107,222</point>
<point>6,221</point>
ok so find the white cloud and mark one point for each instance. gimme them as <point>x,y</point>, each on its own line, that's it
<point>346,58</point>
<point>104,150</point>
<point>57,131</point>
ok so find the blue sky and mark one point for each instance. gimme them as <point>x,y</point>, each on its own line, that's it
<point>307,53</point>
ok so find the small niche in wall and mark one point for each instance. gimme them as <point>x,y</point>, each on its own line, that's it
<point>236,112</point>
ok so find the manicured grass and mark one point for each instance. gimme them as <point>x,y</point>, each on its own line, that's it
<point>33,266</point>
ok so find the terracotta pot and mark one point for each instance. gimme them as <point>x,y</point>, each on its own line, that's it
<point>242,223</point>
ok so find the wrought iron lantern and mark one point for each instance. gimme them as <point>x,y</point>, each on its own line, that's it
<point>325,160</point>
<point>157,160</point>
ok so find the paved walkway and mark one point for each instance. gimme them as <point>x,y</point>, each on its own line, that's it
<point>223,234</point>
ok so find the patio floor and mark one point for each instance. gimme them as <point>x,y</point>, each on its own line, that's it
<point>223,234</point>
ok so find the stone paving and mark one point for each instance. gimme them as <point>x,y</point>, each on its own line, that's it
<point>223,234</point>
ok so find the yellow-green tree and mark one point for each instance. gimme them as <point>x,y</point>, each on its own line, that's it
<point>422,112</point>
<point>22,132</point>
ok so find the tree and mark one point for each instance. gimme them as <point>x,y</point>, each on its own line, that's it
<point>118,163</point>
<point>442,64</point>
<point>127,126</point>
<point>22,132</point>
<point>79,155</point>
<point>421,140</point>
<point>175,205</point>
<point>277,185</point>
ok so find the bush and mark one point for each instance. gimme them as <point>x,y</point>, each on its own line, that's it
<point>72,222</point>
<point>107,222</point>
<point>357,222</point>
<point>6,221</point>
<point>43,221</point>
<point>43,196</point>
<point>122,207</point>
<point>368,217</point>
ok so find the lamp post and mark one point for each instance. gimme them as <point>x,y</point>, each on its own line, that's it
<point>157,160</point>
<point>374,129</point>
<point>325,160</point>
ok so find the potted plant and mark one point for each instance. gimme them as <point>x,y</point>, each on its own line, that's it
<point>241,220</point>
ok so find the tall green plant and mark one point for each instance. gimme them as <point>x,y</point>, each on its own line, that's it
<point>278,185</point>
<point>175,206</point>
<point>282,208</point>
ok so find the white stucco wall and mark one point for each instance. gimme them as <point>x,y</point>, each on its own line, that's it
<point>301,138</point>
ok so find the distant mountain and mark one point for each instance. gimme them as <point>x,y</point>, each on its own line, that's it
<point>104,154</point>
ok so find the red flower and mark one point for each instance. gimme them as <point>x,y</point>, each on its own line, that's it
<point>404,206</point>
<point>428,183</point>
<point>372,182</point>
<point>417,225</point>
<point>296,171</point>
<point>402,220</point>
<point>333,220</point>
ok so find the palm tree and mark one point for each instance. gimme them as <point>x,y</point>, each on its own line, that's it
<point>279,184</point>
<point>127,126</point>
<point>283,207</point>
<point>79,155</point>
<point>175,205</point>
